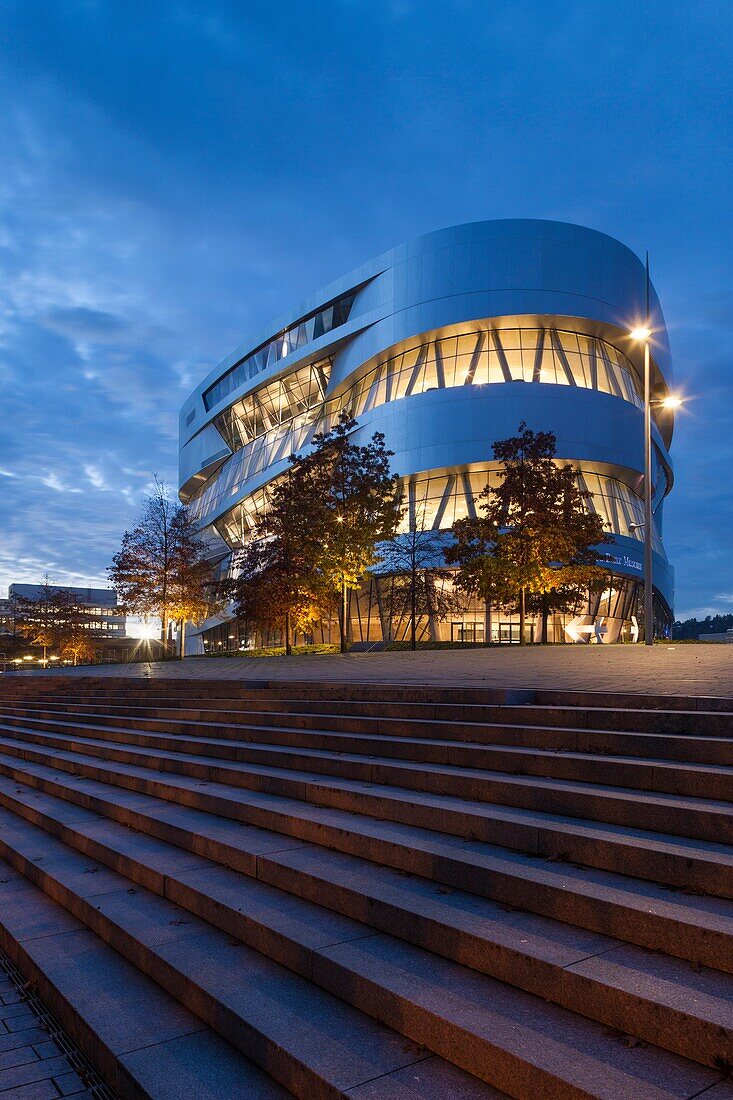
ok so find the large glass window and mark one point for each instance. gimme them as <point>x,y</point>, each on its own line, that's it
<point>435,502</point>
<point>282,417</point>
<point>310,328</point>
<point>274,405</point>
<point>472,359</point>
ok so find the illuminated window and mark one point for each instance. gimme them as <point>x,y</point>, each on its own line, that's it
<point>282,417</point>
<point>310,328</point>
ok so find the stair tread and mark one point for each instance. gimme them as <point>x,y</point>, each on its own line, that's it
<point>405,743</point>
<point>289,1010</point>
<point>720,853</point>
<point>130,1018</point>
<point>543,938</point>
<point>243,719</point>
<point>338,1042</point>
<point>723,707</point>
<point>616,793</point>
<point>639,894</point>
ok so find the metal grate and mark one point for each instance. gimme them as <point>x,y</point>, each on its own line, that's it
<point>78,1061</point>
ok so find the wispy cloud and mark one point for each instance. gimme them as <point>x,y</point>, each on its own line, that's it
<point>171,180</point>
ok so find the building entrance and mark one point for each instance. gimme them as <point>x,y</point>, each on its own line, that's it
<point>467,632</point>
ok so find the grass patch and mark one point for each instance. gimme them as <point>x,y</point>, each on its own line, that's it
<point>275,651</point>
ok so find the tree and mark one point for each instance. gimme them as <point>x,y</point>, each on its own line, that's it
<point>412,560</point>
<point>49,619</point>
<point>361,508</point>
<point>535,535</point>
<point>319,534</point>
<point>78,647</point>
<point>280,583</point>
<point>161,568</point>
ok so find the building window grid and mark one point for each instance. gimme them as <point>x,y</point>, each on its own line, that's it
<point>436,502</point>
<point>278,403</point>
<point>297,336</point>
<point>531,355</point>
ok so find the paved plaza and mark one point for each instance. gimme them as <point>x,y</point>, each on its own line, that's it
<point>663,669</point>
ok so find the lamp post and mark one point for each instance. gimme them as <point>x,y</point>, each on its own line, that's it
<point>644,333</point>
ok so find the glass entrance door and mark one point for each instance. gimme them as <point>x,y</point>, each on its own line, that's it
<point>467,632</point>
<point>509,633</point>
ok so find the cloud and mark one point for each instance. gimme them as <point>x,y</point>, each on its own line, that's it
<point>53,481</point>
<point>87,325</point>
<point>173,176</point>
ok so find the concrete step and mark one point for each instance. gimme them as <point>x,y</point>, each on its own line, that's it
<point>717,721</point>
<point>661,999</point>
<point>699,929</point>
<point>380,787</point>
<point>173,689</point>
<point>285,747</point>
<point>143,1041</point>
<point>453,742</point>
<point>501,1035</point>
<point>309,1040</point>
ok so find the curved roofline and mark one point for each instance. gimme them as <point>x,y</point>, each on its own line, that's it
<point>373,267</point>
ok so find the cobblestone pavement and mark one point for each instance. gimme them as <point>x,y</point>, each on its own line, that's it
<point>38,1061</point>
<point>662,669</point>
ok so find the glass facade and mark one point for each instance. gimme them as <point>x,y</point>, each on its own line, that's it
<point>379,612</point>
<point>282,417</point>
<point>439,500</point>
<point>274,405</point>
<point>486,356</point>
<point>300,334</point>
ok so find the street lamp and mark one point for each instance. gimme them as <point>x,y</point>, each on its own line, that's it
<point>644,333</point>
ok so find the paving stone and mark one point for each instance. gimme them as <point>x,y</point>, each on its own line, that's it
<point>48,1049</point>
<point>20,1024</point>
<point>32,1071</point>
<point>8,1012</point>
<point>702,670</point>
<point>69,1084</point>
<point>12,1040</point>
<point>37,1090</point>
<point>18,1057</point>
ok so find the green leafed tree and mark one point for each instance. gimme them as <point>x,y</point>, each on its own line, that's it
<point>162,568</point>
<point>533,537</point>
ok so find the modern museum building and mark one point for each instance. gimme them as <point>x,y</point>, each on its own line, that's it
<point>445,344</point>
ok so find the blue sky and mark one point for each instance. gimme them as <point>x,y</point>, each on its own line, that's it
<point>173,174</point>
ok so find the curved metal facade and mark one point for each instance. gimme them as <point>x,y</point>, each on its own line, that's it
<point>444,344</point>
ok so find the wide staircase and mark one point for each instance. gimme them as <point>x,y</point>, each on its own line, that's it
<point>262,890</point>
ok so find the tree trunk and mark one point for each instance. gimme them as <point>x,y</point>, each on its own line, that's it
<point>288,647</point>
<point>164,632</point>
<point>545,613</point>
<point>342,622</point>
<point>413,612</point>
<point>182,649</point>
<point>522,616</point>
